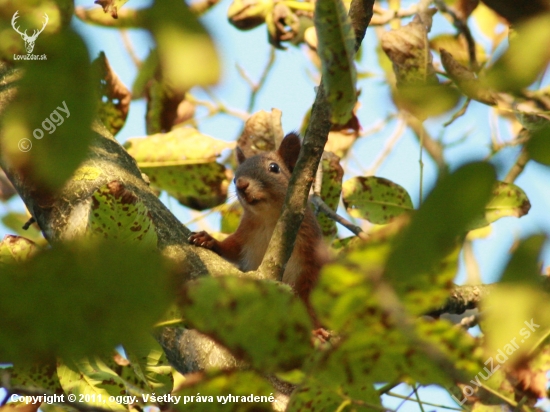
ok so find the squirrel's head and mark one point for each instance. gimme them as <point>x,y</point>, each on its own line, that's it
<point>262,180</point>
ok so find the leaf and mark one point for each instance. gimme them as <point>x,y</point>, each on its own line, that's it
<point>526,57</point>
<point>376,199</point>
<point>418,89</point>
<point>186,52</point>
<point>97,295</point>
<point>114,96</point>
<point>150,369</point>
<point>15,249</point>
<point>257,321</point>
<point>538,145</point>
<point>46,129</point>
<point>41,376</point>
<point>111,6</point>
<point>118,214</point>
<point>457,46</point>
<point>517,319</point>
<point>443,218</point>
<point>15,222</point>
<point>181,146</point>
<point>408,49</point>
<point>336,43</point>
<point>466,80</point>
<point>524,266</point>
<point>229,391</point>
<point>183,163</point>
<point>331,188</point>
<point>507,199</point>
<point>262,131</point>
<point>93,379</point>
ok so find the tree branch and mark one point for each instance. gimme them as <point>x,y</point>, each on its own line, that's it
<point>284,236</point>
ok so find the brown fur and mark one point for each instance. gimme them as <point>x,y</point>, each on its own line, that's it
<point>262,193</point>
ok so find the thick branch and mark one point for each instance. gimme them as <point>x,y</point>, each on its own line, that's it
<point>463,298</point>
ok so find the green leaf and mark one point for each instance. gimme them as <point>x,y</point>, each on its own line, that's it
<point>227,391</point>
<point>257,321</point>
<point>336,43</point>
<point>93,379</point>
<point>444,217</point>
<point>97,296</point>
<point>331,188</point>
<point>46,129</point>
<point>524,266</point>
<point>516,320</point>
<point>151,370</point>
<point>376,199</point>
<point>183,163</point>
<point>14,249</point>
<point>507,199</point>
<point>187,54</point>
<point>538,146</point>
<point>526,57</point>
<point>118,214</point>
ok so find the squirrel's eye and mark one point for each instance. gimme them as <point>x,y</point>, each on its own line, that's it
<point>274,168</point>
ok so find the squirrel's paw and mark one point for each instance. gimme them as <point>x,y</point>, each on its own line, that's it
<point>202,239</point>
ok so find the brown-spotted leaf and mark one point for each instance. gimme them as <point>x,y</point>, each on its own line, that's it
<point>507,199</point>
<point>260,322</point>
<point>263,131</point>
<point>376,199</point>
<point>118,214</point>
<point>418,89</point>
<point>408,49</point>
<point>114,96</point>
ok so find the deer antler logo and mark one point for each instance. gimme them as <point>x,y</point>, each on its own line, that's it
<point>29,40</point>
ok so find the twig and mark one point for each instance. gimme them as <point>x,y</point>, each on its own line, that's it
<point>384,16</point>
<point>434,148</point>
<point>394,138</point>
<point>129,48</point>
<point>323,207</point>
<point>397,395</point>
<point>459,113</point>
<point>463,28</point>
<point>258,86</point>
<point>472,268</point>
<point>518,166</point>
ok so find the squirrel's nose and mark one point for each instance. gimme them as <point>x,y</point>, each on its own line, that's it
<point>241,183</point>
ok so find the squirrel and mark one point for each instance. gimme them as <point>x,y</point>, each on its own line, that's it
<point>261,182</point>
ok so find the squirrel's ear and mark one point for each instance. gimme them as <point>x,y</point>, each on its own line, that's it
<point>240,155</point>
<point>290,149</point>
